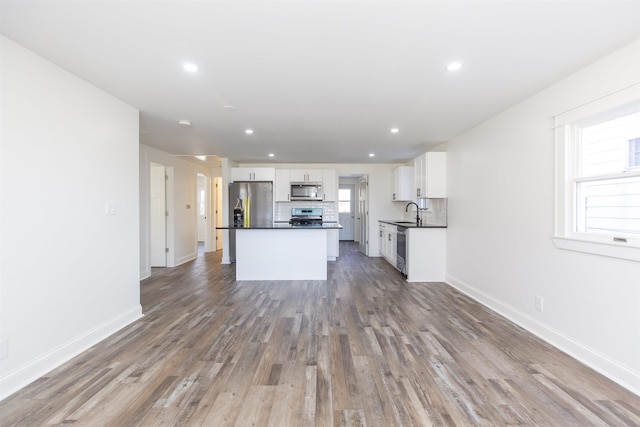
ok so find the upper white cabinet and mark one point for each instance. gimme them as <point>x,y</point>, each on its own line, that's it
<point>430,171</point>
<point>329,185</point>
<point>253,174</point>
<point>283,185</point>
<point>306,175</point>
<point>284,178</point>
<point>402,184</point>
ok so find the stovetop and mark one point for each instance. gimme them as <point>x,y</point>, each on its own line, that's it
<point>306,216</point>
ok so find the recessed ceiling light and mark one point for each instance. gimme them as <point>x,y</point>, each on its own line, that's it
<point>248,131</point>
<point>271,154</point>
<point>229,107</point>
<point>188,66</point>
<point>201,158</point>
<point>184,123</point>
<point>454,66</point>
<point>372,155</point>
<point>395,130</point>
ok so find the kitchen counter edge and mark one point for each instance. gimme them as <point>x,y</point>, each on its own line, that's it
<point>411,225</point>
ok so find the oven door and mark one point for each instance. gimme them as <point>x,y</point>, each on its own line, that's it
<point>401,250</point>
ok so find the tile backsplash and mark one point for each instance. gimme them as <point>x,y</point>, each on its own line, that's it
<point>437,212</point>
<point>283,209</point>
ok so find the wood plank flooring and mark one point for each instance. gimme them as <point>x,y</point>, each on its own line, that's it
<point>363,348</point>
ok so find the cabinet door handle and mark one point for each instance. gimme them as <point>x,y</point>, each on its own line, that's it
<point>389,237</point>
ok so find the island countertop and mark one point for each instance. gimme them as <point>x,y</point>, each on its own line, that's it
<point>284,226</point>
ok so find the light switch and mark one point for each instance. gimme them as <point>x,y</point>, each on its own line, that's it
<point>111,208</point>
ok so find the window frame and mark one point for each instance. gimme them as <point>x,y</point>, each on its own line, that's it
<point>567,125</point>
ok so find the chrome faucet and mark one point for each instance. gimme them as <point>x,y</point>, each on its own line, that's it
<point>417,212</point>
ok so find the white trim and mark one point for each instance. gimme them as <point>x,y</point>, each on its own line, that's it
<point>604,103</point>
<point>14,380</point>
<point>625,376</point>
<point>186,258</point>
<point>614,250</point>
<point>565,210</point>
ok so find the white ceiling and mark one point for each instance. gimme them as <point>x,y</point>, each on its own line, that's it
<point>318,81</point>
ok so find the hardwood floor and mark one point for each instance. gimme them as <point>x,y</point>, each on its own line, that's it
<point>362,348</point>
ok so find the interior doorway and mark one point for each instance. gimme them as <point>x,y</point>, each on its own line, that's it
<point>218,211</point>
<point>158,215</point>
<point>362,221</point>
<point>204,228</point>
<point>347,211</point>
<point>358,200</point>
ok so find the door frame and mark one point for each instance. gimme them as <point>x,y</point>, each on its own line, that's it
<point>363,211</point>
<point>157,235</point>
<point>353,209</point>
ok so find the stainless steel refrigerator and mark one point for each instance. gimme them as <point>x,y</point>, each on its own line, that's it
<point>260,195</point>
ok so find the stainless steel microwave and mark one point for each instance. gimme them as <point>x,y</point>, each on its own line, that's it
<point>306,191</point>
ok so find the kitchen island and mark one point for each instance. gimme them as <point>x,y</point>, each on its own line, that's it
<point>282,251</point>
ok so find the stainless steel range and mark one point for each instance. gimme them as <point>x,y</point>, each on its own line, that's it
<point>306,217</point>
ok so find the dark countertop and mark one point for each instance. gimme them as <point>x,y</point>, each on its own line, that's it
<point>412,224</point>
<point>284,226</point>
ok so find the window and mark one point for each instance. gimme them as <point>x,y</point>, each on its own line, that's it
<point>598,177</point>
<point>344,200</point>
<point>201,202</point>
<point>634,153</point>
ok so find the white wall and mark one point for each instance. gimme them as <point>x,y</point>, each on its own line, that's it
<point>501,212</point>
<point>68,271</point>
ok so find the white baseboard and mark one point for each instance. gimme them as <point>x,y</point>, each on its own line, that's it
<point>624,375</point>
<point>145,274</point>
<point>186,258</point>
<point>12,381</point>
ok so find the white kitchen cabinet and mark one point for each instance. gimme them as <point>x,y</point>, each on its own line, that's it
<point>306,175</point>
<point>402,184</point>
<point>332,245</point>
<point>283,185</point>
<point>329,185</point>
<point>253,174</point>
<point>381,236</point>
<point>430,172</point>
<point>388,242</point>
<point>426,254</point>
<point>392,242</point>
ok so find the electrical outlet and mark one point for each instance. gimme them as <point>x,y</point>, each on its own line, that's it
<point>4,348</point>
<point>539,303</point>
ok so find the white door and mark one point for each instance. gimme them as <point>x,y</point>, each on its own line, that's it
<point>218,211</point>
<point>363,211</point>
<point>202,226</point>
<point>346,210</point>
<point>158,216</point>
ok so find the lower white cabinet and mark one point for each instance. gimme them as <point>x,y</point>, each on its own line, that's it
<point>426,254</point>
<point>388,241</point>
<point>425,251</point>
<point>332,245</point>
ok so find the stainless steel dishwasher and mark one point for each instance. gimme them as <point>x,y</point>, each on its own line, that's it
<point>401,250</point>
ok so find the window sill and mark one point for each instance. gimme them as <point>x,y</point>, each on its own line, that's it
<point>614,250</point>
